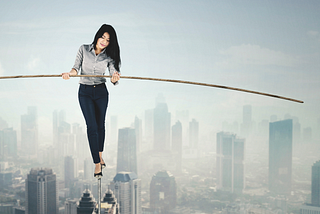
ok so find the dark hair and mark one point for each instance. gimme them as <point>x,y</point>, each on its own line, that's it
<point>113,49</point>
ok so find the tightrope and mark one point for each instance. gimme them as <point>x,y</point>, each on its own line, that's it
<point>164,80</point>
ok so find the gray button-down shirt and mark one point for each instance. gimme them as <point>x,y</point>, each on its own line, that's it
<point>92,64</point>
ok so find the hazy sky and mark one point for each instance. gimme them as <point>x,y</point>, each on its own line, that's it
<point>269,46</point>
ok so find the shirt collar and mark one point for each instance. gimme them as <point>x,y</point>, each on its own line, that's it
<point>91,48</point>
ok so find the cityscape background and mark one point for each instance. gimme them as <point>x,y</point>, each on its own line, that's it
<point>217,149</point>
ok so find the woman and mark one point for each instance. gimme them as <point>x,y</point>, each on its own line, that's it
<point>94,59</point>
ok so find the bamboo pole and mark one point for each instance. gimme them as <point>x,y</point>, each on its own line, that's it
<point>164,80</point>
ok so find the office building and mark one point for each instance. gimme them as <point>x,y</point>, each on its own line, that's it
<point>161,127</point>
<point>41,192</point>
<point>87,203</point>
<point>230,162</point>
<point>29,132</point>
<point>69,171</point>
<point>177,144</point>
<point>193,134</point>
<point>70,207</point>
<point>163,192</point>
<point>280,156</point>
<point>127,151</point>
<point>315,184</point>
<point>127,189</point>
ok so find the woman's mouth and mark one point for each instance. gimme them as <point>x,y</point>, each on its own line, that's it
<point>102,45</point>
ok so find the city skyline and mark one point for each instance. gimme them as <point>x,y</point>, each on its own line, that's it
<point>266,46</point>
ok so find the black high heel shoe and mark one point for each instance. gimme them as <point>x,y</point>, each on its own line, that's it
<point>103,165</point>
<point>98,175</point>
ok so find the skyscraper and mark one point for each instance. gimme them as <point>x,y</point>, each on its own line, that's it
<point>161,127</point>
<point>315,184</point>
<point>127,189</point>
<point>193,134</point>
<point>163,195</point>
<point>70,207</point>
<point>29,132</point>
<point>246,126</point>
<point>86,203</point>
<point>177,143</point>
<point>41,192</point>
<point>109,204</point>
<point>138,131</point>
<point>10,141</point>
<point>280,156</point>
<point>69,171</point>
<point>148,129</point>
<point>230,162</point>
<point>127,152</point>
<point>314,207</point>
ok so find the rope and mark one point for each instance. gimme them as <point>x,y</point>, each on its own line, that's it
<point>164,80</point>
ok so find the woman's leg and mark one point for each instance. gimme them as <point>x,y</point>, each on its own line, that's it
<point>102,97</point>
<point>89,111</point>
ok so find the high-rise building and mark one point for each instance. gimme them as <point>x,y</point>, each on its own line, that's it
<point>10,142</point>
<point>177,144</point>
<point>86,203</point>
<point>193,134</point>
<point>29,132</point>
<point>127,188</point>
<point>148,129</point>
<point>88,169</point>
<point>41,192</point>
<point>138,131</point>
<point>246,126</point>
<point>69,171</point>
<point>315,184</point>
<point>109,204</point>
<point>314,207</point>
<point>163,192</point>
<point>70,207</point>
<point>280,156</point>
<point>2,153</point>
<point>161,127</point>
<point>230,162</point>
<point>127,151</point>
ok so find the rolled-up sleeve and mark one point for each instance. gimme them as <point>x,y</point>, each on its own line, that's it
<point>112,69</point>
<point>79,59</point>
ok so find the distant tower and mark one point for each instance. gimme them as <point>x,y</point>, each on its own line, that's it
<point>10,141</point>
<point>193,134</point>
<point>88,170</point>
<point>86,203</point>
<point>70,207</point>
<point>69,171</point>
<point>148,128</point>
<point>230,162</point>
<point>315,184</point>
<point>41,192</point>
<point>246,126</point>
<point>163,192</point>
<point>127,189</point>
<point>127,151</point>
<point>29,132</point>
<point>177,143</point>
<point>138,131</point>
<point>161,126</point>
<point>109,204</point>
<point>280,156</point>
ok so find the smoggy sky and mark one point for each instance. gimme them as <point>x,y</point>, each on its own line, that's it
<point>268,46</point>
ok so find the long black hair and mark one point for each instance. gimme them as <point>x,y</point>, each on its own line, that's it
<point>113,49</point>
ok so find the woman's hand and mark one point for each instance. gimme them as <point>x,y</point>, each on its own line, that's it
<point>115,77</point>
<point>66,76</point>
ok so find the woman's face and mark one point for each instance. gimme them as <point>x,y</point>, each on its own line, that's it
<point>103,42</point>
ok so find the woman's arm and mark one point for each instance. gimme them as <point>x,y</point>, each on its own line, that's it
<point>66,76</point>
